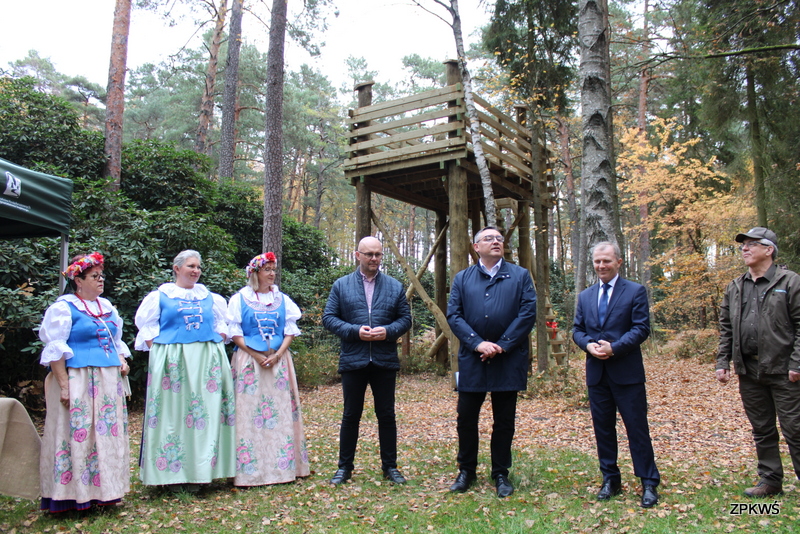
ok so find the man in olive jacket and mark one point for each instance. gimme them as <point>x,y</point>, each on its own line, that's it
<point>368,310</point>
<point>492,310</point>
<point>759,326</point>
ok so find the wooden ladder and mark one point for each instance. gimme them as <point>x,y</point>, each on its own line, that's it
<point>558,342</point>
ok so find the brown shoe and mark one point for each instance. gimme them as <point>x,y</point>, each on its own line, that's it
<point>762,489</point>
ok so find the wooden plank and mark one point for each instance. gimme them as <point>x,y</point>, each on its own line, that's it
<point>399,109</point>
<point>405,164</point>
<point>451,91</point>
<point>411,134</point>
<point>525,170</point>
<point>510,134</point>
<point>456,142</point>
<point>524,132</point>
<point>505,143</point>
<point>403,195</point>
<point>408,121</point>
<point>512,189</point>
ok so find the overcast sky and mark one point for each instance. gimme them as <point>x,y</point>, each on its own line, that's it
<point>76,36</point>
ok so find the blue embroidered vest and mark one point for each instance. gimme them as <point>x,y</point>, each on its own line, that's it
<point>91,342</point>
<point>186,321</point>
<point>262,325</point>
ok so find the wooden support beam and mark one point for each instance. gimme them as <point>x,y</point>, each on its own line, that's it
<point>440,282</point>
<point>438,314</point>
<point>424,266</point>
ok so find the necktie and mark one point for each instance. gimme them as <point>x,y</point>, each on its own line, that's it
<point>602,308</point>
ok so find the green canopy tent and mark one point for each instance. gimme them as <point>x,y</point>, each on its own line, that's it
<point>34,204</point>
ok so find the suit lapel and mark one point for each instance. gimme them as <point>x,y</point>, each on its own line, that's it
<point>616,295</point>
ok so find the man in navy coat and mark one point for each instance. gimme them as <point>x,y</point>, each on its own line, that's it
<point>612,321</point>
<point>492,309</point>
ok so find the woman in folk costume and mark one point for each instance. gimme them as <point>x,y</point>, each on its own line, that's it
<point>188,436</point>
<point>85,451</point>
<point>270,441</point>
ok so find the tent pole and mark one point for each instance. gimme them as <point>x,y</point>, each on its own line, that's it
<point>62,282</point>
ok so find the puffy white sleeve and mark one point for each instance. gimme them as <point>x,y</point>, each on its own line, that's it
<point>234,316</point>
<point>54,332</point>
<point>147,321</point>
<point>122,347</point>
<point>293,314</point>
<point>220,309</point>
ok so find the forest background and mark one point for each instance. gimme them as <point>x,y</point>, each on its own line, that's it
<point>706,143</point>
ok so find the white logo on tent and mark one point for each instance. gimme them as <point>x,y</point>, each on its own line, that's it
<point>13,185</point>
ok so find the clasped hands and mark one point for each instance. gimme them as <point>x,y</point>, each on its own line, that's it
<point>266,359</point>
<point>488,350</point>
<point>600,349</point>
<point>372,333</point>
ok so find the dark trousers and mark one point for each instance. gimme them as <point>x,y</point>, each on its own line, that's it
<point>354,387</point>
<point>764,397</point>
<point>605,399</point>
<point>504,411</point>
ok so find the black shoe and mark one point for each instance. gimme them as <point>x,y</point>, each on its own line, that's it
<point>463,481</point>
<point>649,496</point>
<point>393,475</point>
<point>504,487</point>
<point>341,476</point>
<point>609,489</point>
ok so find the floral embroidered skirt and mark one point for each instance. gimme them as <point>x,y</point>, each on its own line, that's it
<point>188,434</point>
<point>85,456</point>
<point>270,441</point>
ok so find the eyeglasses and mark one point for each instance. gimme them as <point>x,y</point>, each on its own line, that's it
<point>262,270</point>
<point>96,276</point>
<point>751,244</point>
<point>489,238</point>
<point>370,255</point>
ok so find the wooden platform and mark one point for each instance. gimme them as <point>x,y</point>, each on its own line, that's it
<point>401,149</point>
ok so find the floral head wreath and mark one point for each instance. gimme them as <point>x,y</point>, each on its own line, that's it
<point>86,262</point>
<point>260,261</point>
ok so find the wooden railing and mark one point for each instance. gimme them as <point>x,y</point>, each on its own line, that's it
<point>435,122</point>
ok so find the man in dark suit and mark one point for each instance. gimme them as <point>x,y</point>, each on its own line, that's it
<point>612,320</point>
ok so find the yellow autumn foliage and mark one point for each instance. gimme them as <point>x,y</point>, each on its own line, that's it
<point>693,214</point>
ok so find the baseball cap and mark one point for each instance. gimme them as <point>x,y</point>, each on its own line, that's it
<point>759,232</point>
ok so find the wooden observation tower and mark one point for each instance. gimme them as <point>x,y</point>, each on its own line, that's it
<point>418,150</point>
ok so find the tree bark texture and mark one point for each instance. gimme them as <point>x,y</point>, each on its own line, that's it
<point>644,233</point>
<point>115,103</point>
<point>227,140</point>
<point>273,132</point>
<point>756,146</point>
<point>598,193</point>
<point>207,101</point>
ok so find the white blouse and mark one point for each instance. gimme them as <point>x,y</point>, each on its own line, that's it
<point>57,325</point>
<point>149,312</point>
<point>293,312</point>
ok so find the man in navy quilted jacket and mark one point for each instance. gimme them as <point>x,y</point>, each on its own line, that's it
<point>368,310</point>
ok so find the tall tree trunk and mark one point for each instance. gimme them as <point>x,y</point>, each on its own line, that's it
<point>227,141</point>
<point>207,101</point>
<point>115,103</point>
<point>597,180</point>
<point>273,132</point>
<point>644,233</point>
<point>756,145</point>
